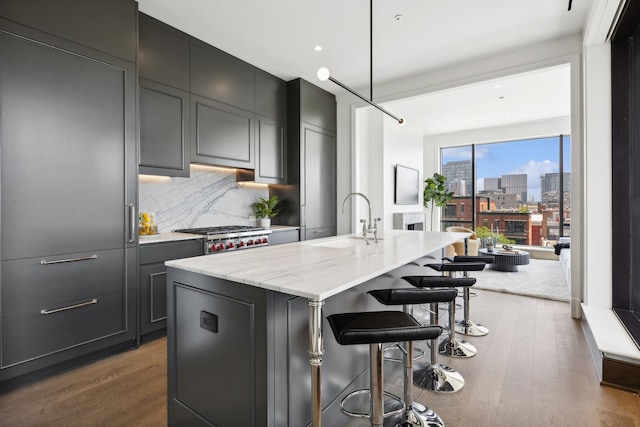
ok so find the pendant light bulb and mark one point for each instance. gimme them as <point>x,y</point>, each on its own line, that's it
<point>402,122</point>
<point>323,74</point>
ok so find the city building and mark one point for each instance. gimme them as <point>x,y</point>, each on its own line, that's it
<point>458,171</point>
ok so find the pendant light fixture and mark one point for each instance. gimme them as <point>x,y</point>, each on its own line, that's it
<point>324,74</point>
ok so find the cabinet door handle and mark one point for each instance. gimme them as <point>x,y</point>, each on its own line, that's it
<point>69,307</point>
<point>132,223</point>
<point>58,261</point>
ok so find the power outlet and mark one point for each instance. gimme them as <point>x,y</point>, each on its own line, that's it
<point>209,321</point>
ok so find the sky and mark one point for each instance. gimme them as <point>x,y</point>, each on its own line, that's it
<point>533,157</point>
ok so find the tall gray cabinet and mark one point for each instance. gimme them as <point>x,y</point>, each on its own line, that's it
<point>311,162</point>
<point>68,181</point>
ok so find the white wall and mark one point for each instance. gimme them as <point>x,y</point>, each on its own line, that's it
<point>402,145</point>
<point>597,176</point>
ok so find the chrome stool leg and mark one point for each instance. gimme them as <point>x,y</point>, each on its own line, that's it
<point>435,376</point>
<point>452,346</point>
<point>466,326</point>
<point>415,414</point>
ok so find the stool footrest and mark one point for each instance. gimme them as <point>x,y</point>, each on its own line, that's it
<point>395,399</point>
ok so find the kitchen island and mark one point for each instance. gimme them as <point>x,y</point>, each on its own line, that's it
<point>243,326</point>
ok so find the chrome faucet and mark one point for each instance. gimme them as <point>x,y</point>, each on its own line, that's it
<point>371,228</point>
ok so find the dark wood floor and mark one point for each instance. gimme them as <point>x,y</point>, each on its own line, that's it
<point>533,369</point>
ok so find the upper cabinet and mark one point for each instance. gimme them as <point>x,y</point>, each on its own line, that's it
<point>221,77</point>
<point>103,25</point>
<point>222,105</point>
<point>164,130</point>
<point>199,104</point>
<point>163,53</point>
<point>271,97</point>
<point>221,134</point>
<point>270,131</point>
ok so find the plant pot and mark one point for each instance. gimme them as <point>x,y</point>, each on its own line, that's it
<point>265,222</point>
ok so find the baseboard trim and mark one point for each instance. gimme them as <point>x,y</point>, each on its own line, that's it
<point>619,374</point>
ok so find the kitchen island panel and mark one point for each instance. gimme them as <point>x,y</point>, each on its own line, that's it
<point>257,365</point>
<point>331,275</point>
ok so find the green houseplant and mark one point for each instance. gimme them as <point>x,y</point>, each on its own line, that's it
<point>435,193</point>
<point>266,209</point>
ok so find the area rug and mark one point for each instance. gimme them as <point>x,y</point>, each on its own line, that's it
<point>540,278</point>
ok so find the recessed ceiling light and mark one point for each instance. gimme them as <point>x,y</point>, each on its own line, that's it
<point>497,87</point>
<point>317,48</point>
<point>397,17</point>
<point>501,97</point>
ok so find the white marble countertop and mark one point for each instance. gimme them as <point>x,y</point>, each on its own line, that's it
<point>167,237</point>
<point>318,269</point>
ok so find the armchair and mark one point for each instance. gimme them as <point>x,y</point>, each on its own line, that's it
<point>458,247</point>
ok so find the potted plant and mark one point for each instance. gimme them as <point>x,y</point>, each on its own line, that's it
<point>435,193</point>
<point>266,209</point>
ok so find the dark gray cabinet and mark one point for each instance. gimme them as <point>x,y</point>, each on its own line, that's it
<point>222,135</point>
<point>164,99</point>
<point>279,237</point>
<point>163,53</point>
<point>68,178</point>
<point>311,161</point>
<point>221,77</point>
<point>164,130</point>
<point>270,159</point>
<point>104,25</point>
<point>153,279</point>
<point>270,97</point>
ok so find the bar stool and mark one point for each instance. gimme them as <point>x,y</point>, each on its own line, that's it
<point>463,264</point>
<point>375,328</point>
<point>431,376</point>
<point>452,346</point>
<point>466,326</point>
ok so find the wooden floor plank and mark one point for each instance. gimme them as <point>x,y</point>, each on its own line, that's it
<point>533,369</point>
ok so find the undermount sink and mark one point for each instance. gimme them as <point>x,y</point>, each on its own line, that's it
<point>342,242</point>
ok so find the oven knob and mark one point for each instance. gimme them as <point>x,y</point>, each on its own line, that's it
<point>250,243</point>
<point>240,244</point>
<point>213,248</point>
<point>265,240</point>
<point>220,247</point>
<point>229,245</point>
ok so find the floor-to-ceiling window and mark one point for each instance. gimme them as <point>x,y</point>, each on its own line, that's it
<point>516,191</point>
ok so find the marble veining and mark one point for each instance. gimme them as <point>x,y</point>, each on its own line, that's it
<point>320,268</point>
<point>210,197</point>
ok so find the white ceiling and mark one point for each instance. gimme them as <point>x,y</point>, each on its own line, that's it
<point>279,36</point>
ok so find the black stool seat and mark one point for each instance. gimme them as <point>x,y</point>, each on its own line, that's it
<point>440,281</point>
<point>487,259</point>
<point>413,296</point>
<point>457,266</point>
<point>372,327</point>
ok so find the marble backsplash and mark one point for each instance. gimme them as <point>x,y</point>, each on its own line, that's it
<point>210,197</point>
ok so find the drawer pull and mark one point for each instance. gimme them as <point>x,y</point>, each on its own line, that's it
<point>69,307</point>
<point>58,261</point>
<point>324,230</point>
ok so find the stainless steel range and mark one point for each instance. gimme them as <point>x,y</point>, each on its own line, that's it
<point>230,237</point>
